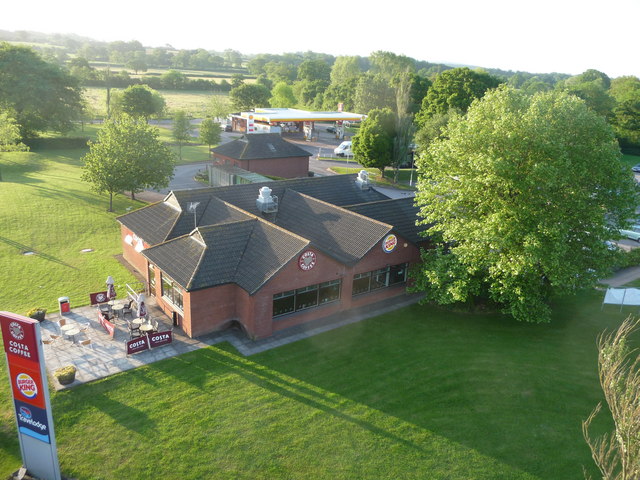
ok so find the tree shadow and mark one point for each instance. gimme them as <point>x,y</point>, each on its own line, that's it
<point>26,248</point>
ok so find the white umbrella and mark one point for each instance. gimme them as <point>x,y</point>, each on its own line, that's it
<point>111,289</point>
<point>142,308</point>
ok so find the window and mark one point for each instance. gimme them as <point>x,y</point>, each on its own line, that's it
<point>306,297</point>
<point>284,302</point>
<point>361,283</point>
<point>152,278</point>
<point>171,291</point>
<point>329,292</point>
<point>382,278</point>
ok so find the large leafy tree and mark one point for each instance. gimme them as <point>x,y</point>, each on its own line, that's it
<point>41,94</point>
<point>520,196</point>
<point>455,88</point>
<point>282,96</point>
<point>248,96</point>
<point>626,113</point>
<point>140,101</point>
<point>374,143</point>
<point>591,86</point>
<point>127,156</point>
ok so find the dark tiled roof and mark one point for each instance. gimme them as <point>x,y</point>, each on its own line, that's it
<point>258,146</point>
<point>247,253</point>
<point>153,223</point>
<point>341,234</point>
<point>401,213</point>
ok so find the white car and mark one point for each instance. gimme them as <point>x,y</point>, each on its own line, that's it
<point>632,233</point>
<point>343,150</point>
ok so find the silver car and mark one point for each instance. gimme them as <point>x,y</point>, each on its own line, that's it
<point>632,232</point>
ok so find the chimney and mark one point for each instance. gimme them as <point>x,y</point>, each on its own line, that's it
<point>363,179</point>
<point>266,202</point>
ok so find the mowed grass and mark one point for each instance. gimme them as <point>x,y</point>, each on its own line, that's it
<point>195,103</point>
<point>404,176</point>
<point>418,393</point>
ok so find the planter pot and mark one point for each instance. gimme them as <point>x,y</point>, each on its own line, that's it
<point>65,375</point>
<point>38,315</point>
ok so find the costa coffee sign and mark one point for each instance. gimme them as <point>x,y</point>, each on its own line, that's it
<point>20,339</point>
<point>307,260</point>
<point>98,297</point>
<point>389,243</point>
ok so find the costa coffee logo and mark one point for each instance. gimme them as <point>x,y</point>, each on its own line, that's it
<point>16,330</point>
<point>389,243</point>
<point>26,385</point>
<point>307,260</point>
<point>101,297</point>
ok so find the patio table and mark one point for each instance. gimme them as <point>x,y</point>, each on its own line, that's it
<point>72,332</point>
<point>137,321</point>
<point>146,327</point>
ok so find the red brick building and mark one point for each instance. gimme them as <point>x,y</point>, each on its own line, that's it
<point>271,257</point>
<point>266,154</point>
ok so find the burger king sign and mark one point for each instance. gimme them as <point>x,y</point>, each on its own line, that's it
<point>389,243</point>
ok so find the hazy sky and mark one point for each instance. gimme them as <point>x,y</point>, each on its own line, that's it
<point>538,36</point>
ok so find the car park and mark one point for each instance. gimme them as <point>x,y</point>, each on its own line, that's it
<point>632,233</point>
<point>636,168</point>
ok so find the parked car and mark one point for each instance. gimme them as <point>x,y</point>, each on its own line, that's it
<point>331,129</point>
<point>633,233</point>
<point>343,150</point>
<point>636,168</point>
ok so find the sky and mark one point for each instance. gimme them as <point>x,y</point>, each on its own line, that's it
<point>540,36</point>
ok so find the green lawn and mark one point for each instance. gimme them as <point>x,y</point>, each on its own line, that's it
<point>419,393</point>
<point>630,160</point>
<point>404,176</point>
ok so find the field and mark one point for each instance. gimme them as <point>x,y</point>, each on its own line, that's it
<point>419,393</point>
<point>193,102</point>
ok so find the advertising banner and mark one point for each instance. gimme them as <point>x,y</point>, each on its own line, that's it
<point>26,384</point>
<point>106,324</point>
<point>32,421</point>
<point>158,339</point>
<point>137,345</point>
<point>98,297</point>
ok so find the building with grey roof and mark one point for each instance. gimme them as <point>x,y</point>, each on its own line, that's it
<point>272,257</point>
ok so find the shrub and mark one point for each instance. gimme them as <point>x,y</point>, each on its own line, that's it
<point>37,313</point>
<point>65,375</point>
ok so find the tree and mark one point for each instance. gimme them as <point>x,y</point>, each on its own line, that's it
<point>455,88</point>
<point>591,86</point>
<point>10,135</point>
<point>314,70</point>
<point>626,113</point>
<point>282,96</point>
<point>127,156</point>
<point>42,95</point>
<point>519,197</point>
<point>209,133</point>
<point>373,91</point>
<point>140,101</point>
<point>248,96</point>
<point>219,107</point>
<point>373,144</point>
<point>181,131</point>
<point>617,454</point>
<point>173,79</point>
<point>345,69</point>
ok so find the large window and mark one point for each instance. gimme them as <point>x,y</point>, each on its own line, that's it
<point>382,278</point>
<point>306,297</point>
<point>172,291</point>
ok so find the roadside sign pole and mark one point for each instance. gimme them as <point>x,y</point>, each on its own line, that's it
<point>28,380</point>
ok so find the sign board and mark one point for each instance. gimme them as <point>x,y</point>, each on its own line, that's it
<point>389,243</point>
<point>28,379</point>
<point>137,345</point>
<point>106,324</point>
<point>98,297</point>
<point>157,339</point>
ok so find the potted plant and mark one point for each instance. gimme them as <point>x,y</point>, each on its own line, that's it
<point>37,313</point>
<point>65,375</point>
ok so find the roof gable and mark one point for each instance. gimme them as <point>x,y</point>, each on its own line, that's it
<point>260,146</point>
<point>401,213</point>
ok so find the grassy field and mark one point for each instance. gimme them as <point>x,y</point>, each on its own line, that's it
<point>193,102</point>
<point>418,393</point>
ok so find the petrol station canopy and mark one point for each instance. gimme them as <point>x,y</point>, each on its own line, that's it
<point>279,115</point>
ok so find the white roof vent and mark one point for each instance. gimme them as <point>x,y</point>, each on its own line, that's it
<point>266,202</point>
<point>363,179</point>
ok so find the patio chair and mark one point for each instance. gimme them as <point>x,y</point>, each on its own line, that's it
<point>84,327</point>
<point>105,308</point>
<point>86,343</point>
<point>127,309</point>
<point>154,324</point>
<point>134,330</point>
